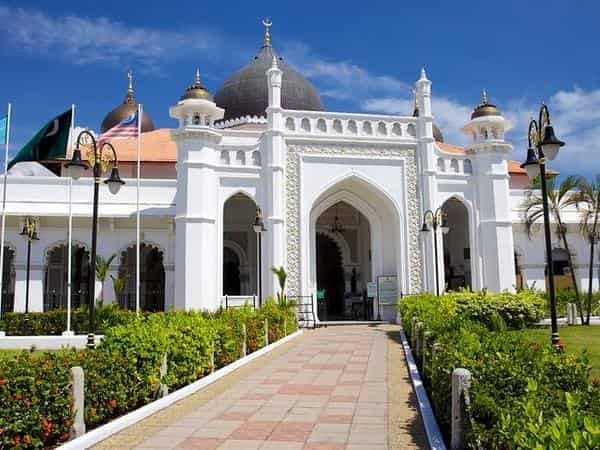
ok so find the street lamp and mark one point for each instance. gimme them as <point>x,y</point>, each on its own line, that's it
<point>76,168</point>
<point>544,145</point>
<point>433,221</point>
<point>30,232</point>
<point>259,227</point>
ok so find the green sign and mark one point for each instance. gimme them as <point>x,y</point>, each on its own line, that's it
<point>321,294</point>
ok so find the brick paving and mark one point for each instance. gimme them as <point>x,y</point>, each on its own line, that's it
<point>334,388</point>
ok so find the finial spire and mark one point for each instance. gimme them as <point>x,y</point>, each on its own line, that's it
<point>274,64</point>
<point>267,37</point>
<point>484,97</point>
<point>130,98</point>
<point>197,78</point>
<point>423,74</point>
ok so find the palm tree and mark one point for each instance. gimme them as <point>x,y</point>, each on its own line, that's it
<point>102,268</point>
<point>281,277</point>
<point>589,196</point>
<point>559,199</point>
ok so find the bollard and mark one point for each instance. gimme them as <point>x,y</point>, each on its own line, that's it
<point>163,390</point>
<point>570,314</point>
<point>266,332</point>
<point>574,313</point>
<point>244,340</point>
<point>77,395</point>
<point>461,380</point>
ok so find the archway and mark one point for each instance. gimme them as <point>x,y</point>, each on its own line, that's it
<point>239,246</point>
<point>8,280</point>
<point>457,247</point>
<point>56,277</point>
<point>561,269</point>
<point>152,278</point>
<point>343,263</point>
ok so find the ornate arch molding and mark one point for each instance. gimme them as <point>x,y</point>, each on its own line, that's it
<point>58,244</point>
<point>238,250</point>
<point>342,245</point>
<point>293,195</point>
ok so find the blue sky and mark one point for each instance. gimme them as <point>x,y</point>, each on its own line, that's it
<point>362,56</point>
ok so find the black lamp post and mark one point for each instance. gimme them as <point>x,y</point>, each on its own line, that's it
<point>76,167</point>
<point>259,227</point>
<point>433,221</point>
<point>544,145</point>
<point>30,232</point>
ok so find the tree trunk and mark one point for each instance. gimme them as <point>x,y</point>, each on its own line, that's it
<point>590,275</point>
<point>563,235</point>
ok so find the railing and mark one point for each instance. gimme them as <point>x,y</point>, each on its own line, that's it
<point>238,301</point>
<point>305,310</point>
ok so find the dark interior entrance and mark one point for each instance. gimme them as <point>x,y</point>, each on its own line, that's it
<point>231,272</point>
<point>330,279</point>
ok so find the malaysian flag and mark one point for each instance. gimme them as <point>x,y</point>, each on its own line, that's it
<point>127,128</point>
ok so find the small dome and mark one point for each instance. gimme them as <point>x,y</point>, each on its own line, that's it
<point>197,91</point>
<point>125,110</point>
<point>485,108</point>
<point>437,133</point>
<point>245,93</point>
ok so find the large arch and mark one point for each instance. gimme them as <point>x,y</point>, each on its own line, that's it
<point>56,276</point>
<point>8,280</point>
<point>387,245</point>
<point>152,277</point>
<point>458,253</point>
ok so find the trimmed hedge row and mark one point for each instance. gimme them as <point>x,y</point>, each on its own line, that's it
<point>523,395</point>
<point>123,373</point>
<point>54,322</point>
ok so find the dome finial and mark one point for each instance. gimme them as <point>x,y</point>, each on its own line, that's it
<point>484,97</point>
<point>267,37</point>
<point>423,74</point>
<point>197,79</point>
<point>130,98</point>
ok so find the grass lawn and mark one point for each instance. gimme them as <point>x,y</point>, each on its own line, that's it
<point>576,339</point>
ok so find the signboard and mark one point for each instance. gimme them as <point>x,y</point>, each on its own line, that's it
<point>371,289</point>
<point>387,288</point>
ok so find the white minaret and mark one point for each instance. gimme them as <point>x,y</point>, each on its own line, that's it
<point>273,171</point>
<point>196,236</point>
<point>489,153</point>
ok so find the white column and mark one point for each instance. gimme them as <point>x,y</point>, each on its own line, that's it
<point>274,240</point>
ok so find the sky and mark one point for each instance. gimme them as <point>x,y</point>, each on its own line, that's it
<point>361,56</point>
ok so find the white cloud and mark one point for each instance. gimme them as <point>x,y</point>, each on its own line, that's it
<point>82,40</point>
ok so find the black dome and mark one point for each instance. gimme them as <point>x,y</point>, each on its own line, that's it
<point>245,92</point>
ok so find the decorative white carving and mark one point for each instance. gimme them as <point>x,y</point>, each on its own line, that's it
<point>408,156</point>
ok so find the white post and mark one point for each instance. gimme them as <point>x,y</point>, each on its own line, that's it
<point>77,395</point>
<point>461,380</point>
<point>164,389</point>
<point>68,331</point>
<point>569,314</point>
<point>3,227</point>
<point>137,215</point>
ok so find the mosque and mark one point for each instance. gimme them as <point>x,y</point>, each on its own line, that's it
<point>339,198</point>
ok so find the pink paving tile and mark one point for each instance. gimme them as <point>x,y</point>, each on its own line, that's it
<point>343,398</point>
<point>234,416</point>
<point>306,389</point>
<point>200,444</point>
<point>273,381</point>
<point>257,396</point>
<point>325,366</point>
<point>323,446</point>
<point>254,429</point>
<point>292,431</point>
<point>335,418</point>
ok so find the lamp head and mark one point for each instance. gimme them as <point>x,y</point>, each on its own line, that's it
<point>114,182</point>
<point>550,143</point>
<point>259,224</point>
<point>531,164</point>
<point>76,166</point>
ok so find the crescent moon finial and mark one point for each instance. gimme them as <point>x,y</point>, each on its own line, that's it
<point>267,37</point>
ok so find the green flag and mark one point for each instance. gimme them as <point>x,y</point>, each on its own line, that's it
<point>49,143</point>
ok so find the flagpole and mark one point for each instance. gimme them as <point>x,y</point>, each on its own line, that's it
<point>68,332</point>
<point>137,207</point>
<point>3,227</point>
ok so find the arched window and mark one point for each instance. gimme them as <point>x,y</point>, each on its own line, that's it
<point>381,129</point>
<point>352,127</point>
<point>55,286</point>
<point>397,129</point>
<point>225,157</point>
<point>256,158</point>
<point>305,125</point>
<point>321,125</point>
<point>8,280</point>
<point>337,126</point>
<point>290,124</point>
<point>367,128</point>
<point>152,278</point>
<point>467,166</point>
<point>240,158</point>
<point>411,130</point>
<point>441,165</point>
<point>454,165</point>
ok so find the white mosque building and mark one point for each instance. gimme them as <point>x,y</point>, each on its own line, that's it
<point>343,196</point>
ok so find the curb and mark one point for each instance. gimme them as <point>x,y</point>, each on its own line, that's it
<point>105,431</point>
<point>434,435</point>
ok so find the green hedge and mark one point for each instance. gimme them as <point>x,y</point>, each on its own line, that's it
<point>54,322</point>
<point>481,333</point>
<point>123,373</point>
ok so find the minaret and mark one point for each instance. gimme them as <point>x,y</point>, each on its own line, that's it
<point>489,155</point>
<point>274,161</point>
<point>196,217</point>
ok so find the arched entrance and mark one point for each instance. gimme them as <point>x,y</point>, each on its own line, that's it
<point>239,246</point>
<point>457,247</point>
<point>56,277</point>
<point>343,263</point>
<point>8,280</point>
<point>152,278</point>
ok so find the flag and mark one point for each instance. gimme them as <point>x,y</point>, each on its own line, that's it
<point>49,143</point>
<point>127,128</point>
<point>3,130</point>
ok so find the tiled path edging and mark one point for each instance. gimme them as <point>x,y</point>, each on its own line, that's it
<point>333,388</point>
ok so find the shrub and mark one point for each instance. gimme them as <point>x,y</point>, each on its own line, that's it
<point>470,331</point>
<point>123,373</point>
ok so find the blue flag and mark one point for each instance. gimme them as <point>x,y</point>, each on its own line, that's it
<point>3,129</point>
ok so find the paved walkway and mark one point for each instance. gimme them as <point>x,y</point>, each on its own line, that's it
<point>333,388</point>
